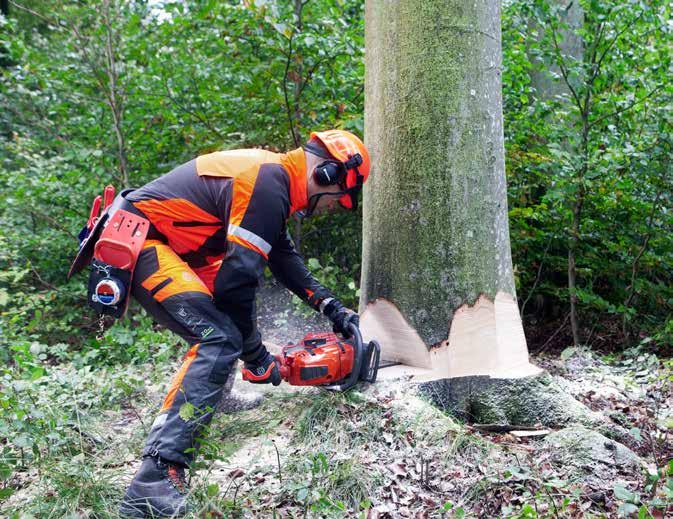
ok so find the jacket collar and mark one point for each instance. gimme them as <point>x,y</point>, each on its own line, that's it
<point>294,163</point>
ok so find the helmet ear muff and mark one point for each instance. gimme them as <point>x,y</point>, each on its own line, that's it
<point>328,173</point>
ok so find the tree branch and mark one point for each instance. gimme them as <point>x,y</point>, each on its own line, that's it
<point>626,108</point>
<point>614,40</point>
<point>115,104</point>
<point>34,13</point>
<point>287,99</point>
<point>563,69</point>
<point>55,223</point>
<point>643,248</point>
<point>537,277</point>
<point>186,110</point>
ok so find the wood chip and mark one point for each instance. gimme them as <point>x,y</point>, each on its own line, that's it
<point>528,434</point>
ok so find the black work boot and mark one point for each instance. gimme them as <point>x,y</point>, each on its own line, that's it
<point>158,489</point>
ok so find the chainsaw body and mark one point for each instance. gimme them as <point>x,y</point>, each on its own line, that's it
<point>326,360</point>
<point>321,358</point>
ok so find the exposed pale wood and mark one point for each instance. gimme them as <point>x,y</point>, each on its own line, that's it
<point>485,339</point>
<point>488,339</point>
<point>382,321</point>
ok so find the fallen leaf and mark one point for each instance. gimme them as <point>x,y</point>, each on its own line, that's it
<point>394,496</point>
<point>237,473</point>
<point>398,468</point>
<point>428,500</point>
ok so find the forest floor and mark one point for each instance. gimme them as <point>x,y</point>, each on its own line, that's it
<point>377,452</point>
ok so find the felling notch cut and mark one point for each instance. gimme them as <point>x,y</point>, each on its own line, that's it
<point>485,339</point>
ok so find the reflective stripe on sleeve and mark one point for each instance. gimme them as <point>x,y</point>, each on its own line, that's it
<point>324,303</point>
<point>250,237</point>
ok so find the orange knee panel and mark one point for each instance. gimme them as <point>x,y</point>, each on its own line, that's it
<point>176,384</point>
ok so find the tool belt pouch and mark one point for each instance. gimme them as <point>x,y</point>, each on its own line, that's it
<point>114,258</point>
<point>109,289</point>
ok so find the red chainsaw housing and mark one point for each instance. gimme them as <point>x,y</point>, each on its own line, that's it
<point>321,358</point>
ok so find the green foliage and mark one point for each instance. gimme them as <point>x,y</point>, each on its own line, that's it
<point>46,410</point>
<point>588,139</point>
<point>120,92</point>
<point>653,502</point>
<point>340,279</point>
<point>328,483</point>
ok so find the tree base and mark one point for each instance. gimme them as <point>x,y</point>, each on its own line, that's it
<point>526,401</point>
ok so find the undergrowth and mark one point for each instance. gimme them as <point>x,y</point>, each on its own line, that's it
<point>73,435</point>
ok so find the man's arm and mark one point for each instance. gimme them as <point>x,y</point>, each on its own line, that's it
<point>236,285</point>
<point>256,220</point>
<point>289,268</point>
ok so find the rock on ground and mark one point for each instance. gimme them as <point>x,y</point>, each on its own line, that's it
<point>588,455</point>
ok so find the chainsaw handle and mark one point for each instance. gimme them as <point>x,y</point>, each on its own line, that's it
<point>359,353</point>
<point>93,214</point>
<point>108,196</point>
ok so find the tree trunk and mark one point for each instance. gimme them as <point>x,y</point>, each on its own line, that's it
<point>550,86</point>
<point>547,87</point>
<point>437,284</point>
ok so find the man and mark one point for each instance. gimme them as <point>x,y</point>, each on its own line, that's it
<point>216,221</point>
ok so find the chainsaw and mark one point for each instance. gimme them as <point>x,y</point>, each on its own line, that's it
<point>325,360</point>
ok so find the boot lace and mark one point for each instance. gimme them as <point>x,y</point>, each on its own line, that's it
<point>176,475</point>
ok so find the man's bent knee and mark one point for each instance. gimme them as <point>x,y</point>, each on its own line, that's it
<point>226,351</point>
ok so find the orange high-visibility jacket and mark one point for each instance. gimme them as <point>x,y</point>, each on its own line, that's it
<point>226,215</point>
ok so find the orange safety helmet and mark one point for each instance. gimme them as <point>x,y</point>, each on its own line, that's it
<point>351,151</point>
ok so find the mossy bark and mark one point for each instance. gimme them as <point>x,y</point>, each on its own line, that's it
<point>591,457</point>
<point>435,209</point>
<point>523,401</point>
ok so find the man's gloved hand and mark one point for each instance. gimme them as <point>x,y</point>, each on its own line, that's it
<point>341,317</point>
<point>262,371</point>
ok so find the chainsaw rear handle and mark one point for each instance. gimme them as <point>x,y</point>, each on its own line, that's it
<point>358,358</point>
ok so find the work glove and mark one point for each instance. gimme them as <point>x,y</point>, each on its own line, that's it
<point>262,371</point>
<point>341,317</point>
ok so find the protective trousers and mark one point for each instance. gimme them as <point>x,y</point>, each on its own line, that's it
<point>176,297</point>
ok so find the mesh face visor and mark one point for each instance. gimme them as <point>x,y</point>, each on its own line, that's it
<point>351,185</point>
<point>348,199</point>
